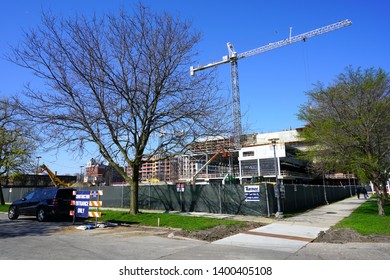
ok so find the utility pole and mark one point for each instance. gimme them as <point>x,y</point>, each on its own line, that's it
<point>81,173</point>
<point>37,171</point>
<point>278,193</point>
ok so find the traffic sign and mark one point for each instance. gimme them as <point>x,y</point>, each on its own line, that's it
<point>180,187</point>
<point>82,204</point>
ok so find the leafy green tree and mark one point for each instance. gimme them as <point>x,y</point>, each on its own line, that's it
<point>348,126</point>
<point>120,81</point>
<point>16,147</point>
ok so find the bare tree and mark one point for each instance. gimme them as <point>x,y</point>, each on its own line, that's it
<point>119,81</point>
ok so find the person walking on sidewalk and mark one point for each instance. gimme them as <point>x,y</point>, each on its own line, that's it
<point>364,192</point>
<point>358,191</point>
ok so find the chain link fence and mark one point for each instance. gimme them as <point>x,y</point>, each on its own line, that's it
<point>214,198</point>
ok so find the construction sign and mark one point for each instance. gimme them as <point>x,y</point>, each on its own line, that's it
<point>83,202</point>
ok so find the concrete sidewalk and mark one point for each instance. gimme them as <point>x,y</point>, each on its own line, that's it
<point>291,234</point>
<point>290,238</point>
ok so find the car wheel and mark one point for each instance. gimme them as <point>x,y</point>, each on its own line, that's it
<point>13,213</point>
<point>41,215</point>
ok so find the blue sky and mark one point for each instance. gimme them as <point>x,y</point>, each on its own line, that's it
<point>272,84</point>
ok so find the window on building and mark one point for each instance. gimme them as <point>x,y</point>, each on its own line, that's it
<point>249,168</point>
<point>248,154</point>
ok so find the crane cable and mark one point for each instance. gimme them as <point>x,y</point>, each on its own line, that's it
<point>306,64</point>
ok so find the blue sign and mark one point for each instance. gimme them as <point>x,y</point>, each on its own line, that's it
<point>82,204</point>
<point>94,193</point>
<point>252,193</point>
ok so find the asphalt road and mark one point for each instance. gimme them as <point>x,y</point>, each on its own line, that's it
<point>27,239</point>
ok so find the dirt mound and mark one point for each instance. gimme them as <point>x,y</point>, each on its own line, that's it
<point>218,232</point>
<point>347,235</point>
<point>210,235</point>
<point>340,236</point>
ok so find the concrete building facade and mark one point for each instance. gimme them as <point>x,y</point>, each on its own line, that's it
<point>259,158</point>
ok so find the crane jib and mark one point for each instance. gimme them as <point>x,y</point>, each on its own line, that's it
<point>233,57</point>
<point>294,39</point>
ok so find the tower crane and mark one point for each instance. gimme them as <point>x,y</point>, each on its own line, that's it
<point>233,57</point>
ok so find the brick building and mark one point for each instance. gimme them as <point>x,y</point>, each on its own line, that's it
<point>98,173</point>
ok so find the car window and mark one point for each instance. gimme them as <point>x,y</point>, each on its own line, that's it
<point>37,194</point>
<point>65,193</point>
<point>48,193</point>
<point>34,195</point>
<point>30,195</point>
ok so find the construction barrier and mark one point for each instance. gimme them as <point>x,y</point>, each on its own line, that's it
<point>83,202</point>
<point>91,203</point>
<point>90,214</point>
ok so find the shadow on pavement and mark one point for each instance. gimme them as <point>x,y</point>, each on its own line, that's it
<point>29,227</point>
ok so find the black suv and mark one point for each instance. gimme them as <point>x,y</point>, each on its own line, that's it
<point>43,203</point>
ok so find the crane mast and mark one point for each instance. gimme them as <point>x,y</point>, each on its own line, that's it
<point>233,57</point>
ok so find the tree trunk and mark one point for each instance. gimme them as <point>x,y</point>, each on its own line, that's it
<point>381,198</point>
<point>134,191</point>
<point>381,203</point>
<point>2,202</point>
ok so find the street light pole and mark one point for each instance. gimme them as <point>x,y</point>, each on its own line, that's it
<point>81,173</point>
<point>36,171</point>
<point>278,214</point>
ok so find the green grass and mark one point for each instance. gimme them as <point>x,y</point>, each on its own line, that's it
<point>366,220</point>
<point>188,223</point>
<point>4,208</point>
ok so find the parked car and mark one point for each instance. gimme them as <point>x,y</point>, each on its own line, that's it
<point>43,203</point>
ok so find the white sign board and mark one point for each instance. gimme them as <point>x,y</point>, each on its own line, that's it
<point>180,187</point>
<point>252,193</point>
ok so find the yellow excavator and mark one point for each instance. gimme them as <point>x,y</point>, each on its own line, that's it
<point>56,181</point>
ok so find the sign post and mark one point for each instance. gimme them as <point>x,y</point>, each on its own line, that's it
<point>96,194</point>
<point>180,190</point>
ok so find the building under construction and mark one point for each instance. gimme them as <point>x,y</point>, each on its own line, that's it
<point>217,159</point>
<point>262,157</point>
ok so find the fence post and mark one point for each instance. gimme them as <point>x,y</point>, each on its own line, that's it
<point>149,196</point>
<point>122,198</point>
<point>267,199</point>
<point>323,182</point>
<point>219,198</point>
